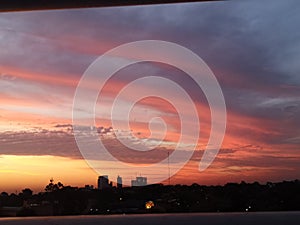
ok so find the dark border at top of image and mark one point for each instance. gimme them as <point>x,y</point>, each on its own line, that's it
<point>28,5</point>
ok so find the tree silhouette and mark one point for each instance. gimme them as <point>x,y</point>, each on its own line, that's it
<point>26,193</point>
<point>53,186</point>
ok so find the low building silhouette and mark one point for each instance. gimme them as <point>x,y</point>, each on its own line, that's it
<point>139,181</point>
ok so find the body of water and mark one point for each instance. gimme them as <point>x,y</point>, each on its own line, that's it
<point>263,218</point>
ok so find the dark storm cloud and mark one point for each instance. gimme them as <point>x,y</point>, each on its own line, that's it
<point>42,142</point>
<point>62,143</point>
<point>237,37</point>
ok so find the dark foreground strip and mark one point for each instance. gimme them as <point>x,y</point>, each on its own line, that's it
<point>273,218</point>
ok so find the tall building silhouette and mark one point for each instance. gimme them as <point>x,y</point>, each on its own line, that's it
<point>119,182</point>
<point>103,182</point>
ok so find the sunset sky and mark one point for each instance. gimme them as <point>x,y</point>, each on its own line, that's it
<point>252,48</point>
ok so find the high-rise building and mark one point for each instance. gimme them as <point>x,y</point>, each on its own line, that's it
<point>139,181</point>
<point>103,182</point>
<point>119,182</point>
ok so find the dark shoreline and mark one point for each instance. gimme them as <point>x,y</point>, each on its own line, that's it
<point>232,197</point>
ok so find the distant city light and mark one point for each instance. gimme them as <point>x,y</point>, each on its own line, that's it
<point>149,205</point>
